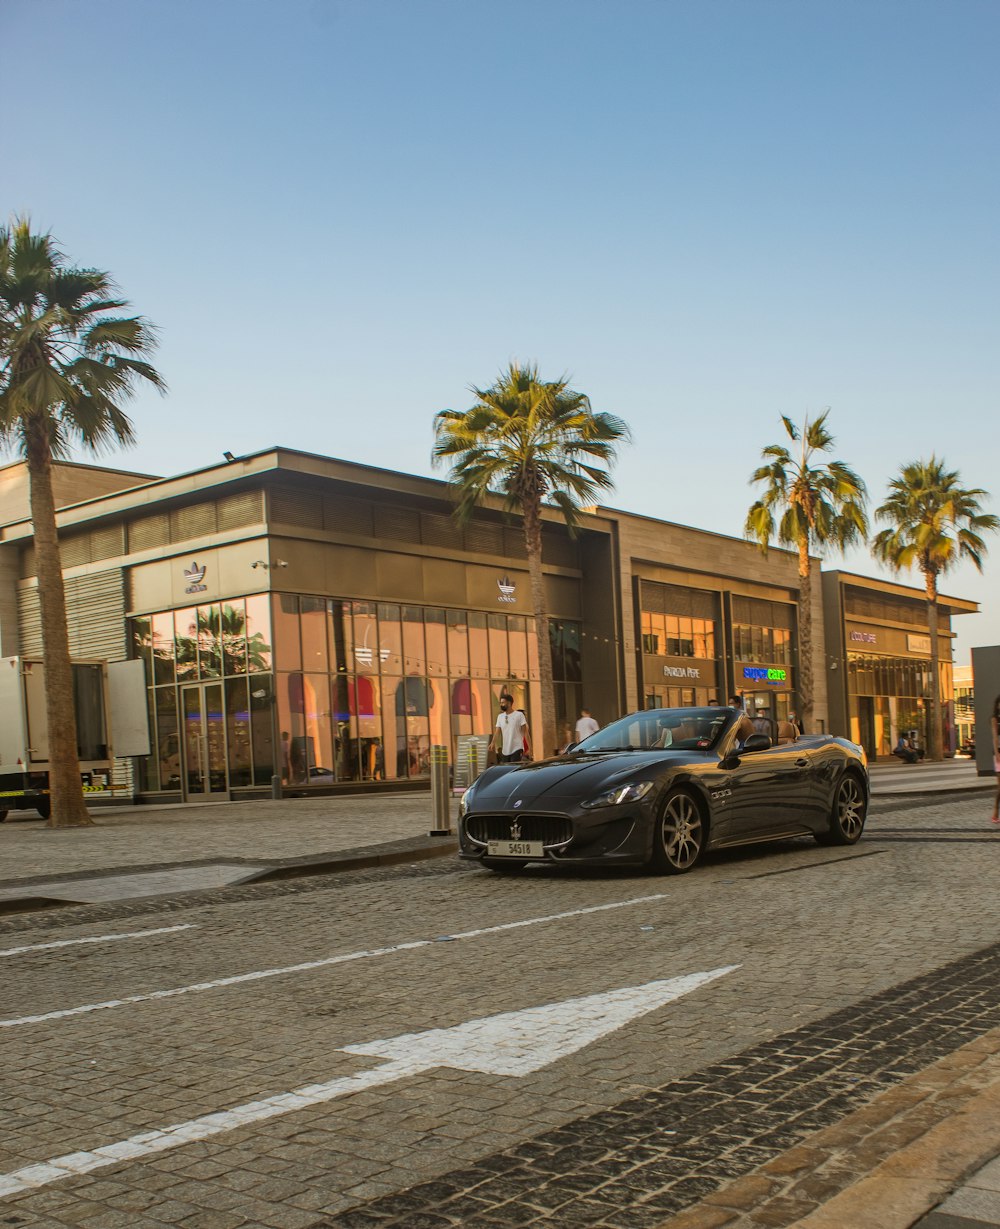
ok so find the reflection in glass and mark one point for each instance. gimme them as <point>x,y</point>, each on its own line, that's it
<point>258,633</point>
<point>479,646</point>
<point>517,637</point>
<point>366,655</point>
<point>168,746</point>
<point>315,654</point>
<point>291,724</point>
<point>186,643</point>
<point>287,646</point>
<point>318,747</point>
<point>142,644</point>
<point>262,727</point>
<point>233,637</point>
<point>238,732</point>
<point>499,657</point>
<point>414,654</point>
<point>437,646</point>
<point>390,639</point>
<point>458,643</point>
<point>209,648</point>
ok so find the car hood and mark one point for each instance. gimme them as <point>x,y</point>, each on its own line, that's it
<point>577,777</point>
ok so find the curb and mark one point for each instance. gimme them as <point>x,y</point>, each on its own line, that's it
<point>882,1167</point>
<point>363,860</point>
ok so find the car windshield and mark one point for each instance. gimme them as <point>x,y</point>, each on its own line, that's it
<point>680,729</point>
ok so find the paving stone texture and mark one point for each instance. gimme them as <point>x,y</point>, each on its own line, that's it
<point>858,970</point>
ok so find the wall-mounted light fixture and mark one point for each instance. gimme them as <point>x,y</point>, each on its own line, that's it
<point>262,563</point>
<point>229,456</point>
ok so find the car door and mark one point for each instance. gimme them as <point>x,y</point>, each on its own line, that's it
<point>772,792</point>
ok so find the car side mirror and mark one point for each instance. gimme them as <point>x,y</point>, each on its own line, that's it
<point>757,742</point>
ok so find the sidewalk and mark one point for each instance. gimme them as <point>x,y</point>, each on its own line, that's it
<point>923,1155</point>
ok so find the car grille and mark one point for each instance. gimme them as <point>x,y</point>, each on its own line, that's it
<point>549,829</point>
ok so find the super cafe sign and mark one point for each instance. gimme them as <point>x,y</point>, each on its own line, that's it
<point>773,675</point>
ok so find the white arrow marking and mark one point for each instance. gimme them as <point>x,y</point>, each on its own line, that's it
<point>513,1043</point>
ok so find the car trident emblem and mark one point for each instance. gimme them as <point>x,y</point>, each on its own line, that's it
<point>515,830</point>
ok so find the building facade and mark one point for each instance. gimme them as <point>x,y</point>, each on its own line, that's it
<point>326,623</point>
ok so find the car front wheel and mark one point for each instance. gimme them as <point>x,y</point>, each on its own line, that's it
<point>847,819</point>
<point>680,834</point>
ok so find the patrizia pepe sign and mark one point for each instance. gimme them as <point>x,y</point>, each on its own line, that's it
<point>682,672</point>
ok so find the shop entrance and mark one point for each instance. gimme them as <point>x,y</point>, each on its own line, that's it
<point>204,769</point>
<point>866,725</point>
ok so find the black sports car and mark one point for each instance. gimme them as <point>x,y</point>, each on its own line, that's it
<point>661,787</point>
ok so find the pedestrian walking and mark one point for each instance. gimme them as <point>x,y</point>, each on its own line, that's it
<point>511,740</point>
<point>586,725</point>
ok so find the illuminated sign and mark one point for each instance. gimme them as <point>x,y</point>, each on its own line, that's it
<point>765,674</point>
<point>682,672</point>
<point>864,637</point>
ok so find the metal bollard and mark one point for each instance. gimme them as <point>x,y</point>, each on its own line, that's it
<point>275,787</point>
<point>440,797</point>
<point>473,762</point>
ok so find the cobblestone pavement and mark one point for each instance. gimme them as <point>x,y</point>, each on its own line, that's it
<point>857,969</point>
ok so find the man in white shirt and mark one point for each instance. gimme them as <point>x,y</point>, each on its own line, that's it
<point>586,725</point>
<point>511,741</point>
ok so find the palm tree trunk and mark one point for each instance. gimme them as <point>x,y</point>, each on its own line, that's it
<point>68,809</point>
<point>936,735</point>
<point>543,741</point>
<point>805,638</point>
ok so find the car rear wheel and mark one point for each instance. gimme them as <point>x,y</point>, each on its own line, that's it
<point>504,866</point>
<point>3,815</point>
<point>44,809</point>
<point>679,840</point>
<point>847,819</point>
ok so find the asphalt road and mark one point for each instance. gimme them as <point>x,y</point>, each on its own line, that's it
<point>173,1038</point>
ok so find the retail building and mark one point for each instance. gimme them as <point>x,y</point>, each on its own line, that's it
<point>326,623</point>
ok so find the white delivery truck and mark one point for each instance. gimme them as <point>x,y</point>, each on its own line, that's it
<point>111,722</point>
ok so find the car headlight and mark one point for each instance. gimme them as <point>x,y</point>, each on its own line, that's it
<point>621,793</point>
<point>463,802</point>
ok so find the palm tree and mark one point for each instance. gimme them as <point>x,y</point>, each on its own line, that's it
<point>531,442</point>
<point>820,504</point>
<point>68,360</point>
<point>933,523</point>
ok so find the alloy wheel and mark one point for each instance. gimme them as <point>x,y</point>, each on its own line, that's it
<point>850,809</point>
<point>681,833</point>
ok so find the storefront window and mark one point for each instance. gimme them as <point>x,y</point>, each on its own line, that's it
<point>414,652</point>
<point>458,643</point>
<point>479,646</point>
<point>233,636</point>
<point>390,639</point>
<point>209,648</point>
<point>517,639</point>
<point>163,648</point>
<point>315,652</point>
<point>238,732</point>
<point>437,642</point>
<point>258,631</point>
<point>287,638</point>
<point>186,643</point>
<point>262,728</point>
<point>499,656</point>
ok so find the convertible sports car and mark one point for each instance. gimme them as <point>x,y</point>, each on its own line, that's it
<point>662,787</point>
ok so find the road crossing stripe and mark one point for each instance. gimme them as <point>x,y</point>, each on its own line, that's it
<point>326,962</point>
<point>132,934</point>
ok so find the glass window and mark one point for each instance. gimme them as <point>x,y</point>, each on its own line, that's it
<point>318,729</point>
<point>390,639</point>
<point>142,644</point>
<point>458,643</point>
<point>341,638</point>
<point>437,642</point>
<point>393,730</point>
<point>287,644</point>
<point>533,669</point>
<point>673,625</point>
<point>238,732</point>
<point>258,629</point>
<point>186,643</point>
<point>209,647</point>
<point>517,639</point>
<point>556,645</point>
<point>262,728</point>
<point>315,651</point>
<point>571,652</point>
<point>163,648</point>
<point>686,636</point>
<point>291,723</point>
<point>168,743</point>
<point>233,635</point>
<point>499,656</point>
<point>366,656</point>
<point>414,652</point>
<point>479,651</point>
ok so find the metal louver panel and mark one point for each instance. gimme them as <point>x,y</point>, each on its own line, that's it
<point>27,562</point>
<point>347,515</point>
<point>560,551</point>
<point>195,521</point>
<point>240,509</point>
<point>95,611</point>
<point>149,532</point>
<point>293,507</point>
<point>513,543</point>
<point>397,524</point>
<point>437,530</point>
<point>107,542</point>
<point>74,550</point>
<point>484,538</point>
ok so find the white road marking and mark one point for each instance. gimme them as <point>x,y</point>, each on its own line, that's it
<point>132,934</point>
<point>306,966</point>
<point>514,1043</point>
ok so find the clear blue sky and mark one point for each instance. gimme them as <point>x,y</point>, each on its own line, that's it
<point>340,214</point>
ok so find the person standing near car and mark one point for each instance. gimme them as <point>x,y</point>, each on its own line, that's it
<point>511,740</point>
<point>586,725</point>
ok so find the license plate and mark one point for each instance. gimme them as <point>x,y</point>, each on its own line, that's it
<point>515,849</point>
